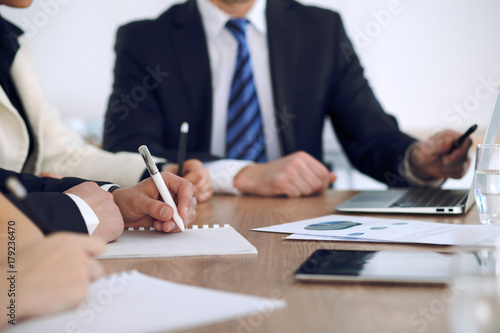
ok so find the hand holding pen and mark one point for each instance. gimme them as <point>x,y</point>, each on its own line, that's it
<point>160,185</point>
<point>460,141</point>
<point>443,155</point>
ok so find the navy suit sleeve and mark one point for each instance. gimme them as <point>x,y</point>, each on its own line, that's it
<point>371,138</point>
<point>60,212</point>
<point>46,197</point>
<point>41,184</point>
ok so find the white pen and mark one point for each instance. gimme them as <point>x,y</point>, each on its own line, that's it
<point>160,184</point>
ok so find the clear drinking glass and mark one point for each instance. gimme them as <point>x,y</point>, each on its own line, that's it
<point>474,295</point>
<point>487,183</point>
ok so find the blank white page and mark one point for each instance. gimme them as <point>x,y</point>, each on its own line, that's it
<point>133,302</point>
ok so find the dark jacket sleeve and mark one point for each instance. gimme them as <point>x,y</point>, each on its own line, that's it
<point>56,209</point>
<point>47,200</point>
<point>41,184</point>
<point>136,113</point>
<point>371,138</point>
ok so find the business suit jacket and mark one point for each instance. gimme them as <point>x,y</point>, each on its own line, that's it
<point>314,71</point>
<point>60,150</point>
<point>46,198</point>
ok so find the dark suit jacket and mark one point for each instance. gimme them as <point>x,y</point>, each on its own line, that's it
<point>314,70</point>
<point>46,197</point>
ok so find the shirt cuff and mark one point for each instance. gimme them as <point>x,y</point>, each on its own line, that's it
<point>106,187</point>
<point>222,173</point>
<point>88,214</point>
<point>414,179</point>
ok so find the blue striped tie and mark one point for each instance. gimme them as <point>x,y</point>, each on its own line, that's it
<point>245,138</point>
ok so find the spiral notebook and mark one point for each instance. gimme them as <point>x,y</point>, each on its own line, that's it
<point>131,302</point>
<point>144,243</point>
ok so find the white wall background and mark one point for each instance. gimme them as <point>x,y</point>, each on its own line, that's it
<point>423,60</point>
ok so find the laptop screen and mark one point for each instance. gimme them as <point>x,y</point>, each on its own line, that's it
<point>490,136</point>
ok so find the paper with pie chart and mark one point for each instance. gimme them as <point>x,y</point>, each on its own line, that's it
<point>355,228</point>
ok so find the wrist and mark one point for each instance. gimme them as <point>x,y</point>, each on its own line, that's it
<point>117,194</point>
<point>223,172</point>
<point>416,168</point>
<point>242,181</point>
<point>414,172</point>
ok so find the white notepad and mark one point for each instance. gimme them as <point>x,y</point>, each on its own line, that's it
<point>140,243</point>
<point>132,302</point>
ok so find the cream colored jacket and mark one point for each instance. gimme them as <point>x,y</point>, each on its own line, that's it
<point>60,150</point>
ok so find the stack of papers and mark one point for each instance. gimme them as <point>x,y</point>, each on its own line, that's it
<point>367,229</point>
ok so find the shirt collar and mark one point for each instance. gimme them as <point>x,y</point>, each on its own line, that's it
<point>214,19</point>
<point>257,16</point>
<point>9,45</point>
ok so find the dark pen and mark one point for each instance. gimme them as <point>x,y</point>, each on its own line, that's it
<point>460,141</point>
<point>181,153</point>
<point>17,189</point>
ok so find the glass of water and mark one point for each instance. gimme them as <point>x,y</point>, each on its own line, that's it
<point>487,183</point>
<point>474,294</point>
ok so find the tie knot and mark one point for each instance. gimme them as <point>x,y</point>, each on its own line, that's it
<point>238,28</point>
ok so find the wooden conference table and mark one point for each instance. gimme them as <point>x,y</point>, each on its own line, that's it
<point>311,307</point>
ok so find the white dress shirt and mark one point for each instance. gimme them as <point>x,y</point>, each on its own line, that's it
<point>222,51</point>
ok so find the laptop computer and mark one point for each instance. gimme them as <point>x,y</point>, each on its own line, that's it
<point>422,200</point>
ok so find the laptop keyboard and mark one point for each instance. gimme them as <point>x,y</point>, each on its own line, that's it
<point>431,197</point>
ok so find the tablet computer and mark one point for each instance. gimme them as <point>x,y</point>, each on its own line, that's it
<point>384,266</point>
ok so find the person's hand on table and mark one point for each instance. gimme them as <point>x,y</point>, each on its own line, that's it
<point>110,219</point>
<point>141,205</point>
<point>295,175</point>
<point>431,159</point>
<point>55,273</point>
<point>194,171</point>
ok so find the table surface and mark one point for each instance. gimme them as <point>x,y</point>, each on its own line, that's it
<point>311,307</point>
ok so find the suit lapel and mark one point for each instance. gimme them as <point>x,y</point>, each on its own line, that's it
<point>30,96</point>
<point>28,90</point>
<point>5,102</point>
<point>283,53</point>
<point>190,47</point>
<point>4,99</point>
